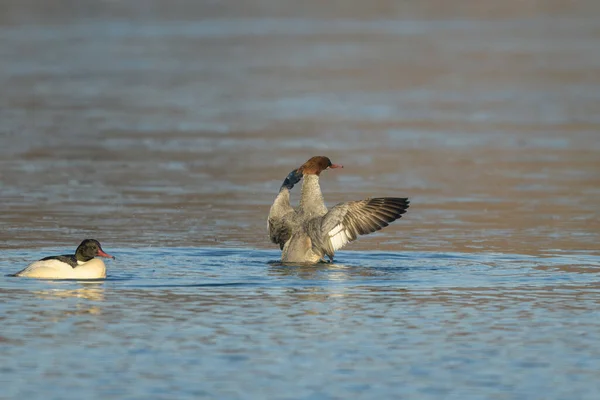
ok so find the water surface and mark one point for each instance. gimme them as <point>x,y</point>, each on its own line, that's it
<point>227,323</point>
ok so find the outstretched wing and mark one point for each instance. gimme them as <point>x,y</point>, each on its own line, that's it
<point>344,222</point>
<point>279,222</point>
<point>281,215</point>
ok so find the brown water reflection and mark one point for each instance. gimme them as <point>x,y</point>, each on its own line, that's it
<point>143,124</point>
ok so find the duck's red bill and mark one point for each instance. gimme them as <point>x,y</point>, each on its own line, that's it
<point>336,166</point>
<point>101,253</point>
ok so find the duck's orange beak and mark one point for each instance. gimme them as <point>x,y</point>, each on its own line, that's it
<point>101,253</point>
<point>336,166</point>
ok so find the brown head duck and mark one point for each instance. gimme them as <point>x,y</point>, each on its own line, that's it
<point>310,232</point>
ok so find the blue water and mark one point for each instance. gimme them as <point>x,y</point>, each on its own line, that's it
<point>235,323</point>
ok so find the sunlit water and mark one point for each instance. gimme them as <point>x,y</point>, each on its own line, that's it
<point>226,323</point>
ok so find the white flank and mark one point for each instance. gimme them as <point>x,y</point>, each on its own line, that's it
<point>56,269</point>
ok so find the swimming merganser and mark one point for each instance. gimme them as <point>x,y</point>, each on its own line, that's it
<point>310,232</point>
<point>81,265</point>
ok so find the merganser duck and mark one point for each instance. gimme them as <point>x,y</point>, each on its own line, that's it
<point>81,265</point>
<point>310,232</point>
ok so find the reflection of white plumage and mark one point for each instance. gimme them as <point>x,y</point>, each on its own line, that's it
<point>310,232</point>
<point>81,265</point>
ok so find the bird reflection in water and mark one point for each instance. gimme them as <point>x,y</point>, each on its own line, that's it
<point>91,294</point>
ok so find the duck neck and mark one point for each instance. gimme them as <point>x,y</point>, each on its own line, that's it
<point>312,199</point>
<point>80,256</point>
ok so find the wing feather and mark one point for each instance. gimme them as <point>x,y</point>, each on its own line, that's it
<point>280,220</point>
<point>346,221</point>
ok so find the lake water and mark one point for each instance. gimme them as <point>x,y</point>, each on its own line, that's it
<point>164,129</point>
<point>233,323</point>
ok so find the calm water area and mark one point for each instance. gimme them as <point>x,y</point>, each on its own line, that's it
<point>164,130</point>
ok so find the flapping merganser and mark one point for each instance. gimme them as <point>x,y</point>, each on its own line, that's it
<point>81,265</point>
<point>310,232</point>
